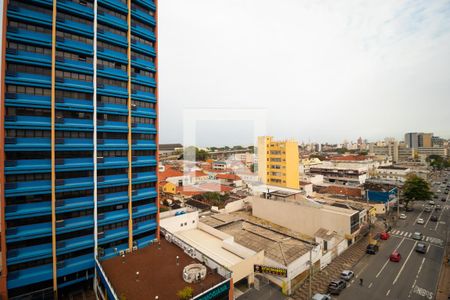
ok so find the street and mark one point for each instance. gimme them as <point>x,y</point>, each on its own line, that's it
<point>416,275</point>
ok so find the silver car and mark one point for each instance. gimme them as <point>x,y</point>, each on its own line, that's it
<point>417,236</point>
<point>347,275</point>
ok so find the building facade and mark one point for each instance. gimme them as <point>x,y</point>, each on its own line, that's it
<point>78,135</point>
<point>278,162</point>
<point>418,139</point>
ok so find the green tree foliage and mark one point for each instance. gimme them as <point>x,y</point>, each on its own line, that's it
<point>416,188</point>
<point>438,162</point>
<point>185,293</point>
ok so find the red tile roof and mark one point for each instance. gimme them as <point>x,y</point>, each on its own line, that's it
<point>228,176</point>
<point>169,172</point>
<point>349,158</point>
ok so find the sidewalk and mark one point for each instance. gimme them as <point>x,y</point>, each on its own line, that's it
<point>443,289</point>
<point>346,260</point>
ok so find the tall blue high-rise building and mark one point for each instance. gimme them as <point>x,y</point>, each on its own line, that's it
<point>78,137</point>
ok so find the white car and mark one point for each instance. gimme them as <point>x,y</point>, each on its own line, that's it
<point>347,275</point>
<point>402,216</point>
<point>420,221</point>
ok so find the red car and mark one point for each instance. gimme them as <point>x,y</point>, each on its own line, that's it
<point>395,256</point>
<point>384,235</point>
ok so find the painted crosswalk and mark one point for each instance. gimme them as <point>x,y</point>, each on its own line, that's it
<point>428,239</point>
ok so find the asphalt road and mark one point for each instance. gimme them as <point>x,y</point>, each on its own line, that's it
<point>416,275</point>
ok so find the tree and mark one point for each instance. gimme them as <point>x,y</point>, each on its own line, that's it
<point>185,293</point>
<point>438,162</point>
<point>416,188</point>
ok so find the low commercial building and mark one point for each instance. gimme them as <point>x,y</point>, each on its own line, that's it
<point>308,216</point>
<point>392,172</point>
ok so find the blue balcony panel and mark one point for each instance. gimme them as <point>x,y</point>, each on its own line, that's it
<point>145,241</point>
<point>112,235</point>
<point>143,145</point>
<point>143,128</point>
<point>115,5</point>
<point>143,96</point>
<point>73,46</point>
<point>146,193</point>
<point>112,38</point>
<point>143,112</point>
<point>27,122</point>
<point>74,244</point>
<point>27,166</point>
<point>142,32</point>
<point>74,184</point>
<point>147,4</point>
<point>74,224</point>
<point>112,126</point>
<point>112,73</point>
<point>114,216</point>
<point>74,8</point>
<point>74,124</point>
<point>143,48</point>
<point>75,264</point>
<point>28,210</point>
<point>27,232</point>
<point>74,85</point>
<point>110,20</point>
<point>112,162</point>
<point>23,188</point>
<point>112,55</point>
<point>74,204</point>
<point>29,276</point>
<point>114,251</point>
<point>27,144</point>
<point>111,90</point>
<point>143,177</point>
<point>74,104</point>
<point>21,255</point>
<point>29,37</point>
<point>30,58</point>
<point>28,79</point>
<point>112,199</point>
<point>143,161</point>
<point>142,16</point>
<point>112,180</point>
<point>144,210</point>
<point>74,144</point>
<point>144,80</point>
<point>25,15</point>
<point>24,100</point>
<point>74,281</point>
<point>143,64</point>
<point>112,144</point>
<point>114,109</point>
<point>74,27</point>
<point>74,66</point>
<point>74,164</point>
<point>145,226</point>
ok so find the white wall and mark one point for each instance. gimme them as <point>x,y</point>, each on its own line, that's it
<point>181,222</point>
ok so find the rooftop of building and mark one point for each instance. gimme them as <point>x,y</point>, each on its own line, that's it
<point>228,176</point>
<point>378,186</point>
<point>159,274</point>
<point>169,172</point>
<point>169,147</point>
<point>325,234</point>
<point>350,158</point>
<point>393,167</point>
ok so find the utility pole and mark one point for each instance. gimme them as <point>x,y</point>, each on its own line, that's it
<point>398,202</point>
<point>310,271</point>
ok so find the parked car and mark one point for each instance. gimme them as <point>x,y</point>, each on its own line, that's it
<point>421,248</point>
<point>347,275</point>
<point>431,202</point>
<point>402,217</point>
<point>384,236</point>
<point>427,209</point>
<point>417,236</point>
<point>336,286</point>
<point>437,207</point>
<point>443,199</point>
<point>372,249</point>
<point>395,256</point>
<point>420,221</point>
<point>321,297</point>
<point>434,218</point>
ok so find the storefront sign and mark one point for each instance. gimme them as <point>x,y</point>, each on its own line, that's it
<point>270,270</point>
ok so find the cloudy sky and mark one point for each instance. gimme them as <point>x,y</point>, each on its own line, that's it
<point>321,70</point>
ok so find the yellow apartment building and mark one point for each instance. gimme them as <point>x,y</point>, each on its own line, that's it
<point>278,162</point>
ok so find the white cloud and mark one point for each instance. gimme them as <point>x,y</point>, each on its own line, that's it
<point>325,69</point>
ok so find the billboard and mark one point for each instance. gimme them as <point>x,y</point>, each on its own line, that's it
<point>282,272</point>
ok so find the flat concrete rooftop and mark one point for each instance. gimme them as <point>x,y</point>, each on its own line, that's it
<point>159,274</point>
